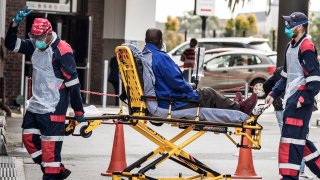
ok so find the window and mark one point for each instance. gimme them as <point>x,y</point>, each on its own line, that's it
<point>180,50</point>
<point>232,45</point>
<point>273,58</point>
<point>219,62</point>
<point>245,60</point>
<point>210,45</point>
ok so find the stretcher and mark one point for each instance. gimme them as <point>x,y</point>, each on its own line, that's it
<point>249,131</point>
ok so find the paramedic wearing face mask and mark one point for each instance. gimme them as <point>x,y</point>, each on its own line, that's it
<point>301,82</point>
<point>54,80</point>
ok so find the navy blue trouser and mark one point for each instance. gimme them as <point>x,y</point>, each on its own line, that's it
<point>43,137</point>
<point>294,144</point>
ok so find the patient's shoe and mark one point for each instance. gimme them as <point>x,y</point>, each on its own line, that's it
<point>304,176</point>
<point>247,105</point>
<point>238,97</point>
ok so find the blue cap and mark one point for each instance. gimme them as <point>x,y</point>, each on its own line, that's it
<point>296,17</point>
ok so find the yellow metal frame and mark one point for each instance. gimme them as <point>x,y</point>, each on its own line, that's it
<point>167,148</point>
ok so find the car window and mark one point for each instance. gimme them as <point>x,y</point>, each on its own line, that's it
<point>179,51</point>
<point>245,60</point>
<point>230,44</point>
<point>273,58</point>
<point>210,45</point>
<point>257,60</point>
<point>209,56</point>
<point>219,62</point>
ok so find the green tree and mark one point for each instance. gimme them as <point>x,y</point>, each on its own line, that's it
<point>192,23</point>
<point>253,27</point>
<point>171,35</point>
<point>172,24</point>
<point>241,25</point>
<point>229,28</point>
<point>314,30</point>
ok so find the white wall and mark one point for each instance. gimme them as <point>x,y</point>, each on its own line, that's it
<point>140,16</point>
<point>2,17</point>
<point>114,19</point>
<point>272,19</point>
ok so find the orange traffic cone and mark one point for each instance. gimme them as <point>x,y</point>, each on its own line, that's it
<point>245,168</point>
<point>118,157</point>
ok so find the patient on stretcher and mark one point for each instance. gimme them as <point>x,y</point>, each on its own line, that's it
<point>213,114</point>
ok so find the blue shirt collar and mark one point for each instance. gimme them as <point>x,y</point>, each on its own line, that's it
<point>151,47</point>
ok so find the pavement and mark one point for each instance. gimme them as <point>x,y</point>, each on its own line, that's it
<point>87,158</point>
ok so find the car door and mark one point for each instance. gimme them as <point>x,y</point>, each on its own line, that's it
<point>216,72</point>
<point>242,70</point>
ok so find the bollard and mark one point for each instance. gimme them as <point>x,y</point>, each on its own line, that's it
<point>105,83</point>
<point>246,91</point>
<point>120,92</point>
<point>189,75</point>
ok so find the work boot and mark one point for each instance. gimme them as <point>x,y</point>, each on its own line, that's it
<point>64,174</point>
<point>238,97</point>
<point>247,105</point>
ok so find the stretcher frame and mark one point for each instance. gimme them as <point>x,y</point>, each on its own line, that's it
<point>167,149</point>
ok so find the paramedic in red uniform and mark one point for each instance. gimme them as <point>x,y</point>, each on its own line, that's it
<point>54,81</point>
<point>301,82</point>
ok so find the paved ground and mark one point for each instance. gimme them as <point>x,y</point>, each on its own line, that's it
<point>87,158</point>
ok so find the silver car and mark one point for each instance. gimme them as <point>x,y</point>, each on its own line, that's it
<point>223,42</point>
<point>233,69</point>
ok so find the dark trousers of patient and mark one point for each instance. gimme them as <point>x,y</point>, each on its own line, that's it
<point>210,98</point>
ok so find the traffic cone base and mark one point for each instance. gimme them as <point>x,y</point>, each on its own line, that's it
<point>245,168</point>
<point>118,156</point>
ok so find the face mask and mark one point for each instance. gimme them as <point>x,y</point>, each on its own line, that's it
<point>288,32</point>
<point>41,45</point>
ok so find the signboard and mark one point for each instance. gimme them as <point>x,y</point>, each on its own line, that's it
<point>45,6</point>
<point>205,7</point>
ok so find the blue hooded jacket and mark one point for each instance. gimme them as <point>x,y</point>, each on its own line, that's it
<point>169,81</point>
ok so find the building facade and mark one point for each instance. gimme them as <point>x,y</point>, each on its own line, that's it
<point>92,28</point>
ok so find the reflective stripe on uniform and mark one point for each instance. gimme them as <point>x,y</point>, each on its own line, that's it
<point>52,138</point>
<point>72,82</point>
<point>284,74</point>
<point>311,156</point>
<point>293,141</point>
<point>312,78</point>
<point>31,131</point>
<point>36,154</point>
<point>289,166</point>
<point>17,46</point>
<point>51,164</point>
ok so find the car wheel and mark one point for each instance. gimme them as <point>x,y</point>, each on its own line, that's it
<point>258,88</point>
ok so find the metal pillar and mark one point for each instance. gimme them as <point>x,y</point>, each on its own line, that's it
<point>286,7</point>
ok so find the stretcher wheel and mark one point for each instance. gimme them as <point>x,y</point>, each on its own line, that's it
<point>83,133</point>
<point>67,133</point>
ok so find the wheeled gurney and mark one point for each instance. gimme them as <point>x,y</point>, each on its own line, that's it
<point>168,148</point>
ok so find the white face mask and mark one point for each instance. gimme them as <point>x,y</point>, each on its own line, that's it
<point>163,47</point>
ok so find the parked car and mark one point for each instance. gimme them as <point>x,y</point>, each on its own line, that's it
<point>213,43</point>
<point>213,52</point>
<point>235,68</point>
